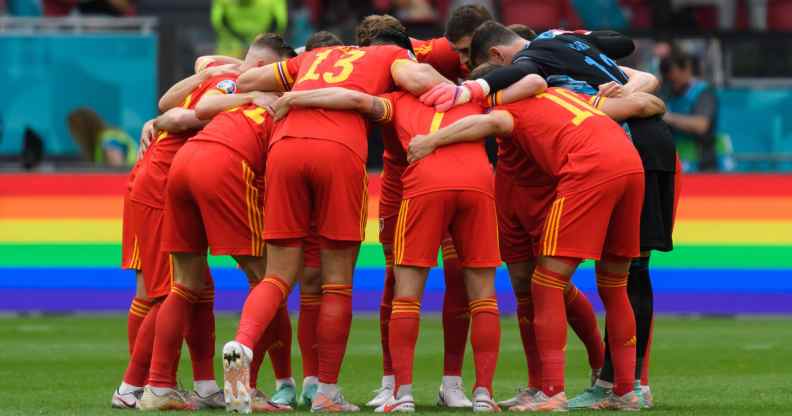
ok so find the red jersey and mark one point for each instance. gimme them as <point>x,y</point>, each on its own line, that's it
<point>394,163</point>
<point>149,186</point>
<point>366,70</point>
<point>245,129</point>
<point>572,141</point>
<point>440,54</point>
<point>461,166</point>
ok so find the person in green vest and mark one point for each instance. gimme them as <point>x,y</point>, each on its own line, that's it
<point>100,143</point>
<point>692,113</point>
<point>237,22</point>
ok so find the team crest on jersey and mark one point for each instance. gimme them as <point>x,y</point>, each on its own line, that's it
<point>227,86</point>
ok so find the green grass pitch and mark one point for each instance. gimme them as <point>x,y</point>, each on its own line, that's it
<point>70,365</point>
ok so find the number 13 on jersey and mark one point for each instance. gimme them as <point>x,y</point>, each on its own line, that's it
<point>341,69</point>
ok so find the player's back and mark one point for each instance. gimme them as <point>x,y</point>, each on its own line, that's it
<point>246,130</point>
<point>149,186</point>
<point>567,60</point>
<point>460,166</point>
<point>571,140</point>
<point>366,69</point>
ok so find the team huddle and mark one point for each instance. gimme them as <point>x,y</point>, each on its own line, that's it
<point>264,160</point>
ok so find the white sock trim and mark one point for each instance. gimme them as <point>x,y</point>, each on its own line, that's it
<point>281,381</point>
<point>329,390</point>
<point>205,388</point>
<point>389,381</point>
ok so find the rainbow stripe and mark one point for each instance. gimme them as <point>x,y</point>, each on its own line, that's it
<point>62,233</point>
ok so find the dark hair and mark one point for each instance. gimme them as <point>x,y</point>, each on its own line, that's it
<point>464,20</point>
<point>678,59</point>
<point>486,36</point>
<point>523,31</point>
<point>482,70</point>
<point>275,42</point>
<point>370,27</point>
<point>393,37</point>
<point>322,39</point>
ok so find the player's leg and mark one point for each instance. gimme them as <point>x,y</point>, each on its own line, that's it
<point>456,323</point>
<point>280,355</point>
<point>420,226</point>
<point>622,244</point>
<point>339,182</point>
<point>287,222</point>
<point>385,391</point>
<point>140,307</point>
<point>183,236</point>
<point>129,392</point>
<point>475,234</point>
<point>131,260</point>
<point>200,338</point>
<point>583,321</point>
<point>310,302</point>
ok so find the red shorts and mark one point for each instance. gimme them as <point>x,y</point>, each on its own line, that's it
<point>521,212</point>
<point>424,220</point>
<point>600,221</point>
<point>315,181</point>
<point>130,249</point>
<point>145,224</point>
<point>214,199</point>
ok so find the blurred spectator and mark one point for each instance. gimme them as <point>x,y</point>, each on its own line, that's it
<point>540,14</point>
<point>100,143</point>
<point>56,8</point>
<point>21,7</point>
<point>692,111</point>
<point>237,22</point>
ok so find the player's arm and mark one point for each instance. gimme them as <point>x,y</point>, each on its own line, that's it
<point>639,81</point>
<point>333,98</point>
<point>176,94</point>
<point>212,104</point>
<point>177,120</point>
<point>527,87</point>
<point>202,62</point>
<point>469,129</point>
<point>417,78</point>
<point>639,104</point>
<point>443,97</point>
<point>277,77</point>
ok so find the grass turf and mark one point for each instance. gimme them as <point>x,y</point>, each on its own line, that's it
<point>70,365</point>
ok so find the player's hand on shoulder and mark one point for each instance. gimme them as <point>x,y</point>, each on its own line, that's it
<point>442,96</point>
<point>263,99</point>
<point>281,106</point>
<point>612,89</point>
<point>420,147</point>
<point>147,134</point>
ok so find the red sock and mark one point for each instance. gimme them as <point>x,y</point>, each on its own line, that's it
<point>137,371</point>
<point>583,321</point>
<point>620,322</point>
<point>174,316</point>
<point>525,317</point>
<point>332,332</point>
<point>260,308</point>
<point>456,316</point>
<point>550,326</point>
<point>200,337</point>
<point>485,338</point>
<point>404,325</point>
<point>645,364</point>
<point>138,310</point>
<point>280,351</point>
<point>386,307</point>
<point>306,333</point>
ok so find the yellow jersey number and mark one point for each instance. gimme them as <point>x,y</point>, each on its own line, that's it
<point>343,64</point>
<point>570,102</point>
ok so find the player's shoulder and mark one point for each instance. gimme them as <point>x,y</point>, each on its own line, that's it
<point>225,83</point>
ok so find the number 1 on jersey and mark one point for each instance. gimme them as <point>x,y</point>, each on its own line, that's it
<point>579,108</point>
